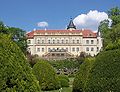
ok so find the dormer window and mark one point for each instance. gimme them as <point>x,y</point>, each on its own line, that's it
<point>90,34</point>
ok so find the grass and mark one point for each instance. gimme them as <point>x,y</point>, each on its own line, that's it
<point>68,89</point>
<point>65,89</point>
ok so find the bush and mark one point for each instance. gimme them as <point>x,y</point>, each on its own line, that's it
<point>64,81</point>
<point>46,75</point>
<point>15,73</point>
<point>105,75</point>
<point>81,77</point>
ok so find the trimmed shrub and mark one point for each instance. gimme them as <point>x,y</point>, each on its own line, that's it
<point>81,77</point>
<point>64,81</point>
<point>15,73</point>
<point>46,75</point>
<point>105,75</point>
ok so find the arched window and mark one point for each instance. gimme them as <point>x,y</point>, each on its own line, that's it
<point>77,41</point>
<point>58,41</point>
<point>53,41</point>
<point>66,41</point>
<point>49,41</point>
<point>42,41</point>
<point>62,41</point>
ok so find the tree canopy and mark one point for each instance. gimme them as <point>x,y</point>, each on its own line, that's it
<point>16,34</point>
<point>111,34</point>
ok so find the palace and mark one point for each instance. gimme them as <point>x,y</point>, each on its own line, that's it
<point>62,44</point>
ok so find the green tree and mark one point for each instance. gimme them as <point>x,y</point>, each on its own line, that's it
<point>105,75</point>
<point>114,14</point>
<point>3,28</point>
<point>81,77</point>
<point>16,34</point>
<point>46,75</point>
<point>15,73</point>
<point>110,35</point>
<point>64,80</point>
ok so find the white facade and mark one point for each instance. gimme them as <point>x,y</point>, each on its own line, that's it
<point>41,42</point>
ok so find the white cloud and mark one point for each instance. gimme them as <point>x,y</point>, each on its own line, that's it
<point>42,24</point>
<point>91,20</point>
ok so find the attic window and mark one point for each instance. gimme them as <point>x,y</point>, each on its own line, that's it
<point>90,34</point>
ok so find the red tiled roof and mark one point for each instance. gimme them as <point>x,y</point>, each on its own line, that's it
<point>86,33</point>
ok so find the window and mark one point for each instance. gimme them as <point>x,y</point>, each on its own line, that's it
<point>73,41</point>
<point>97,41</point>
<point>53,54</point>
<point>38,41</point>
<point>38,49</point>
<point>62,41</point>
<point>42,49</point>
<point>77,49</point>
<point>66,49</point>
<point>97,48</point>
<point>29,41</point>
<point>57,54</point>
<point>42,41</point>
<point>87,41</point>
<point>53,41</point>
<point>49,49</point>
<point>92,49</point>
<point>73,49</point>
<point>58,41</point>
<point>49,41</point>
<point>62,54</point>
<point>77,41</point>
<point>87,49</point>
<point>66,41</point>
<point>92,41</point>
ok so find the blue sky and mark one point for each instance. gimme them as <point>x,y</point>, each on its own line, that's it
<point>25,14</point>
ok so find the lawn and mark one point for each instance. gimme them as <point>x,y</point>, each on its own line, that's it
<point>68,89</point>
<point>65,89</point>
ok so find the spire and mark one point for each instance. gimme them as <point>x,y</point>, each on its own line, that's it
<point>71,25</point>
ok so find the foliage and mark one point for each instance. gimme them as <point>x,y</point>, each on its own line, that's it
<point>16,34</point>
<point>114,14</point>
<point>105,75</point>
<point>111,35</point>
<point>32,59</point>
<point>46,75</point>
<point>61,64</point>
<point>2,28</point>
<point>64,80</point>
<point>114,37</point>
<point>15,73</point>
<point>81,77</point>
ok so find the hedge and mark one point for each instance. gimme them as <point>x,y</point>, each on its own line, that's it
<point>64,80</point>
<point>46,75</point>
<point>81,77</point>
<point>105,75</point>
<point>15,73</point>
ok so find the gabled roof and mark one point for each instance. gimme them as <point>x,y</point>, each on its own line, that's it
<point>85,33</point>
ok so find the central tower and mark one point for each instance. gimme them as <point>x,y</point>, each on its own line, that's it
<point>71,25</point>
